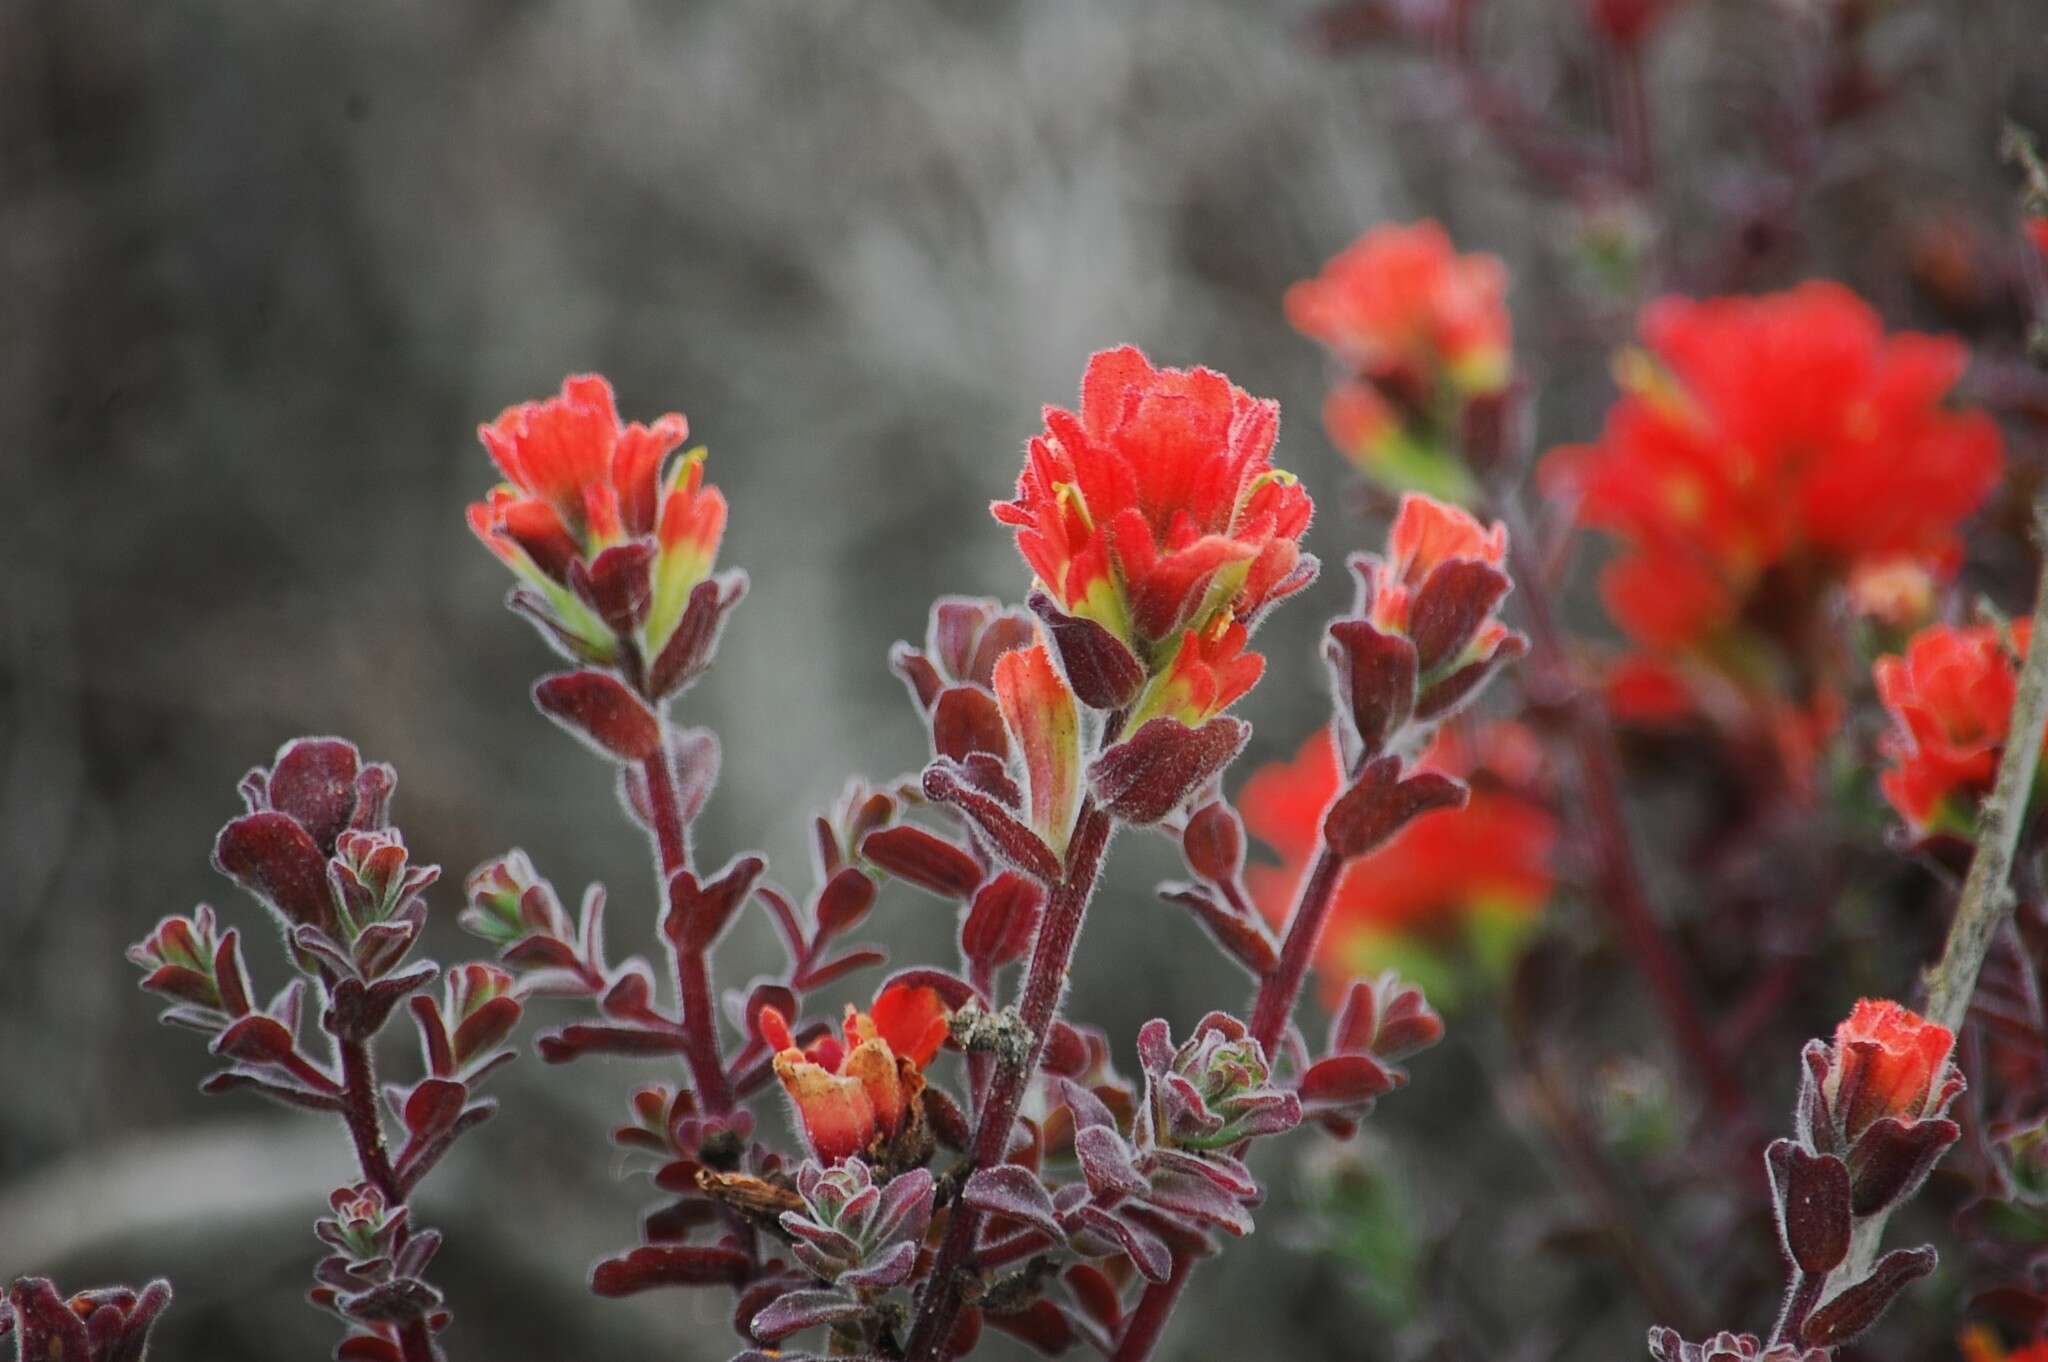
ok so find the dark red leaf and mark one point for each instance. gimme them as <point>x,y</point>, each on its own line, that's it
<point>314,784</point>
<point>1017,844</point>
<point>1447,612</point>
<point>1346,1080</point>
<point>1845,1317</point>
<point>1154,771</point>
<point>844,900</point>
<point>655,1265</point>
<point>1811,1192</point>
<point>600,710</point>
<point>1101,670</point>
<point>966,720</point>
<point>1381,802</point>
<point>690,650</point>
<point>1374,675</point>
<point>276,859</point>
<point>1041,1324</point>
<point>1001,920</point>
<point>1244,938</point>
<point>910,853</point>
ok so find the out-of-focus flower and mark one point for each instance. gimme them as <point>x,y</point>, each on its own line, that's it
<point>1897,593</point>
<point>1950,696</point>
<point>2037,232</point>
<point>597,518</point>
<point>1888,1062</point>
<point>857,1093</point>
<point>1475,874</point>
<point>1155,510</point>
<point>1420,330</point>
<point>1627,23</point>
<point>1765,447</point>
<point>1979,1343</point>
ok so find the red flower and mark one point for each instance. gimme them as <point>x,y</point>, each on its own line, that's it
<point>1440,874</point>
<point>1401,299</point>
<point>1950,698</point>
<point>1888,1061</point>
<point>855,1093</point>
<point>579,482</point>
<point>1769,440</point>
<point>2037,232</point>
<point>1420,330</point>
<point>1156,508</point>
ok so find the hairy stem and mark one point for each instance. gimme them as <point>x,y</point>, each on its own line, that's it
<point>1045,978</point>
<point>359,1111</point>
<point>1987,896</point>
<point>693,971</point>
<point>1280,990</point>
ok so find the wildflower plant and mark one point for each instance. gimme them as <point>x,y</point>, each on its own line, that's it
<point>1784,486</point>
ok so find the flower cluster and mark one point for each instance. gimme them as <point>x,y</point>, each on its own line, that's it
<point>1764,451</point>
<point>1870,1124</point>
<point>1950,696</point>
<point>1420,332</point>
<point>612,539</point>
<point>1155,515</point>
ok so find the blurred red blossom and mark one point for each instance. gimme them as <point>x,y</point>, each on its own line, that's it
<point>1437,879</point>
<point>1768,446</point>
<point>1155,510</point>
<point>856,1093</point>
<point>1950,696</point>
<point>1419,330</point>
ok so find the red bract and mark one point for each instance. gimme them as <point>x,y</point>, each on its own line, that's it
<point>1950,697</point>
<point>1436,878</point>
<point>1401,299</point>
<point>1420,331</point>
<point>1763,442</point>
<point>857,1095</point>
<point>1156,508</point>
<point>1888,1062</point>
<point>579,485</point>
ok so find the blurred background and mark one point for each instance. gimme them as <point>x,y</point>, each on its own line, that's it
<point>263,269</point>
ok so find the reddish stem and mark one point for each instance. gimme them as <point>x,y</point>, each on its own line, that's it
<point>693,972</point>
<point>359,1112</point>
<point>1281,989</point>
<point>1155,1307</point>
<point>1045,978</point>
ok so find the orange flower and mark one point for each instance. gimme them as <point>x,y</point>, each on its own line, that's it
<point>1887,1062</point>
<point>579,482</point>
<point>854,1094</point>
<point>1401,298</point>
<point>1950,698</point>
<point>1766,441</point>
<point>1429,883</point>
<point>1156,508</point>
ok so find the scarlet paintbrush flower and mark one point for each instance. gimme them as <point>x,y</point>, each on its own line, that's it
<point>1766,441</point>
<point>1038,711</point>
<point>1155,509</point>
<point>1402,298</point>
<point>1888,1062</point>
<point>1486,865</point>
<point>578,483</point>
<point>1950,697</point>
<point>1420,330</point>
<point>2037,232</point>
<point>855,1094</point>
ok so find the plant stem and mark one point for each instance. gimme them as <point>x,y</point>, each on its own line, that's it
<point>1045,978</point>
<point>1280,990</point>
<point>1987,896</point>
<point>1620,880</point>
<point>1155,1307</point>
<point>359,1112</point>
<point>693,972</point>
